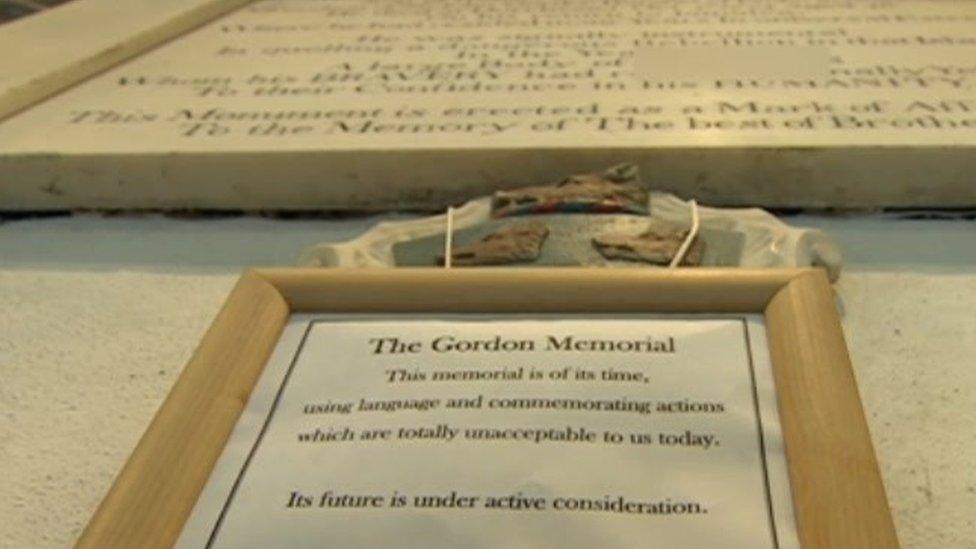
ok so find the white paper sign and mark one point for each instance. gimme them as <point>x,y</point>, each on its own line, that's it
<point>506,432</point>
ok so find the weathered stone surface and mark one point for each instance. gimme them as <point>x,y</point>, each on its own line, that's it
<point>516,243</point>
<point>616,189</point>
<point>657,245</point>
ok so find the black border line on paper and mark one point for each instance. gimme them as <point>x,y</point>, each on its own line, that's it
<point>759,431</point>
<point>257,443</point>
<point>284,382</point>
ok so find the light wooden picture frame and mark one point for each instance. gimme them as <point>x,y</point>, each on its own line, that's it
<point>838,496</point>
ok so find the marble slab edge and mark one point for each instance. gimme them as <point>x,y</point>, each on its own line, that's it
<point>103,33</point>
<point>859,177</point>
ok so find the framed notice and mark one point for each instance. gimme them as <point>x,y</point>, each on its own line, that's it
<point>510,408</point>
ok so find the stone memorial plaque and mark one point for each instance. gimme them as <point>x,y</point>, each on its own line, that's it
<point>375,105</point>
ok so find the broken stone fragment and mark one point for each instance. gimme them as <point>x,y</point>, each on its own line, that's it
<point>516,243</point>
<point>657,245</point>
<point>614,190</point>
